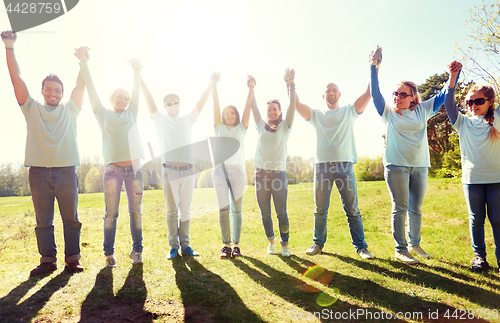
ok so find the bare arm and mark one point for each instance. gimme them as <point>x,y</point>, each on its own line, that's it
<point>361,103</point>
<point>302,109</point>
<point>214,78</point>
<point>255,111</point>
<point>246,113</point>
<point>215,96</point>
<point>20,89</point>
<point>134,98</point>
<point>289,79</point>
<point>78,91</point>
<point>149,98</point>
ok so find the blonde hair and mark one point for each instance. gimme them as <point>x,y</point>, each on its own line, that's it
<point>112,95</point>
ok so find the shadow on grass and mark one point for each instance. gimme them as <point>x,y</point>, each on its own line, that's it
<point>101,305</point>
<point>206,296</point>
<point>28,309</point>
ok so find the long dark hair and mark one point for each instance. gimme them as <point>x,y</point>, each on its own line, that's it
<point>237,121</point>
<point>278,121</point>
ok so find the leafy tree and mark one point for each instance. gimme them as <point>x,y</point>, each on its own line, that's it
<point>250,171</point>
<point>9,183</point>
<point>205,179</point>
<point>94,180</point>
<point>86,164</point>
<point>369,169</point>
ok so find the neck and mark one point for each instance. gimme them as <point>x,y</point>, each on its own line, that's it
<point>332,106</point>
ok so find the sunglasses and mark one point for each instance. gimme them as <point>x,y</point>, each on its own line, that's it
<point>169,104</point>
<point>478,101</point>
<point>401,95</point>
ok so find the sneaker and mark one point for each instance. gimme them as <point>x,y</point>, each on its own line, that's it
<point>236,252</point>
<point>365,254</point>
<point>479,263</point>
<point>74,267</point>
<point>136,257</point>
<point>173,253</point>
<point>285,251</point>
<point>313,250</point>
<point>225,252</point>
<point>405,257</point>
<point>271,249</point>
<point>189,252</point>
<point>44,269</point>
<point>111,261</point>
<point>419,251</point>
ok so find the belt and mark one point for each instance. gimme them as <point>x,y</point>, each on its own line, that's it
<point>175,167</point>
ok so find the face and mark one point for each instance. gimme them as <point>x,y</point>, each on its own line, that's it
<point>332,94</point>
<point>120,100</point>
<point>52,93</point>
<point>229,117</point>
<point>172,105</point>
<point>273,112</point>
<point>476,109</point>
<point>401,103</point>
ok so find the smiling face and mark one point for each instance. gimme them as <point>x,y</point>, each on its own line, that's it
<point>478,109</point>
<point>332,95</point>
<point>52,93</point>
<point>273,112</point>
<point>172,104</point>
<point>120,100</point>
<point>399,102</point>
<point>229,116</point>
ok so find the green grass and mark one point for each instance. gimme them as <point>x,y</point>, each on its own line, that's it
<point>256,287</point>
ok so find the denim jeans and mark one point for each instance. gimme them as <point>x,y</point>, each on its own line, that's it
<point>229,191</point>
<point>178,190</point>
<point>407,189</point>
<point>272,183</point>
<point>48,184</point>
<point>114,176</point>
<point>342,175</point>
<point>482,197</point>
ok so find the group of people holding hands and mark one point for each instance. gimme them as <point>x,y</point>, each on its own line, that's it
<point>52,155</point>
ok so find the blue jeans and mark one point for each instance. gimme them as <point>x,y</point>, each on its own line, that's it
<point>272,183</point>
<point>342,175</point>
<point>407,189</point>
<point>48,184</point>
<point>480,197</point>
<point>229,191</point>
<point>114,176</point>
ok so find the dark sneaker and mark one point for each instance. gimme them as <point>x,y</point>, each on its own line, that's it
<point>225,252</point>
<point>479,263</point>
<point>74,267</point>
<point>236,252</point>
<point>189,252</point>
<point>44,269</point>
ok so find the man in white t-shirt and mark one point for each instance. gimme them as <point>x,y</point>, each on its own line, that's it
<point>51,154</point>
<point>178,175</point>
<point>336,154</point>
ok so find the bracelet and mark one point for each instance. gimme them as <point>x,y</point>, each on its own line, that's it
<point>9,47</point>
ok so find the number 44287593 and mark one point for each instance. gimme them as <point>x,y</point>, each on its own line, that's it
<point>39,7</point>
<point>484,313</point>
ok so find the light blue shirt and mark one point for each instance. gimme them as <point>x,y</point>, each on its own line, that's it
<point>51,138</point>
<point>406,140</point>
<point>271,150</point>
<point>174,136</point>
<point>120,135</point>
<point>480,155</point>
<point>335,133</point>
<point>236,132</point>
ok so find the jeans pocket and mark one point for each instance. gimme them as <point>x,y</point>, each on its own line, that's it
<point>110,169</point>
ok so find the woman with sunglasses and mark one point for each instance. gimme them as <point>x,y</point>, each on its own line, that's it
<point>122,151</point>
<point>270,163</point>
<point>480,149</point>
<point>406,157</point>
<point>229,176</point>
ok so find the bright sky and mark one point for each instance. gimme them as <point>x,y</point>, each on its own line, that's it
<point>180,42</point>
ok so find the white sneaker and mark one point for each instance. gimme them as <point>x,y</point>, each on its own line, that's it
<point>405,257</point>
<point>313,250</point>
<point>365,254</point>
<point>285,251</point>
<point>419,251</point>
<point>271,249</point>
<point>136,257</point>
<point>111,261</point>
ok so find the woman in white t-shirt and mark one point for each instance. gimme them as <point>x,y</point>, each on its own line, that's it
<point>229,174</point>
<point>480,149</point>
<point>270,164</point>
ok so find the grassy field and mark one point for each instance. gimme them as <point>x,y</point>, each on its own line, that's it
<point>337,286</point>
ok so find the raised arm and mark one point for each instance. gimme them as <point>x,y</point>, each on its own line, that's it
<point>302,109</point>
<point>375,59</point>
<point>134,98</point>
<point>245,118</point>
<point>255,111</point>
<point>290,81</point>
<point>83,55</point>
<point>439,98</point>
<point>449,102</point>
<point>215,97</point>
<point>20,89</point>
<point>361,103</point>
<point>149,98</point>
<point>214,78</point>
